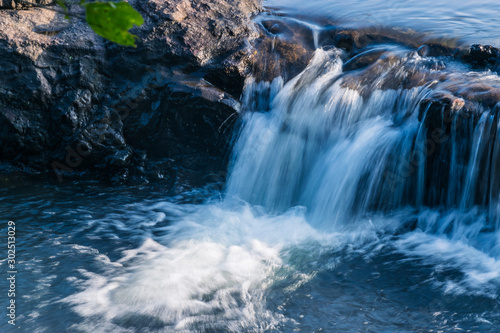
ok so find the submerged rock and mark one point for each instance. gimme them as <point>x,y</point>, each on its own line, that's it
<point>364,59</point>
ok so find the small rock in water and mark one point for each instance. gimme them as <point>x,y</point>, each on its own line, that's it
<point>482,55</point>
<point>423,51</point>
<point>363,59</point>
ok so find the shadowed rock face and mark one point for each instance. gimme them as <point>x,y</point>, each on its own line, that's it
<point>75,104</point>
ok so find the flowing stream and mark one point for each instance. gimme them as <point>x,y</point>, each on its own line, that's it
<point>338,215</point>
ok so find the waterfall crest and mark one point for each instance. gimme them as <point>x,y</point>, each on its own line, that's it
<point>344,154</point>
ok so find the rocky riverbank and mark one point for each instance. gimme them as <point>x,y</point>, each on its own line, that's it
<point>75,106</point>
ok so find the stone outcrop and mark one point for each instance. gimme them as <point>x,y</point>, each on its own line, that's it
<point>77,105</point>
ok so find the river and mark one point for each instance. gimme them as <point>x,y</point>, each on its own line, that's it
<point>311,231</point>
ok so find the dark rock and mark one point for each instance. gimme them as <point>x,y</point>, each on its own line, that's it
<point>347,39</point>
<point>284,48</point>
<point>293,31</point>
<point>354,40</point>
<point>482,55</point>
<point>438,109</point>
<point>72,103</point>
<point>388,68</point>
<point>449,122</point>
<point>77,105</point>
<point>279,57</point>
<point>183,117</point>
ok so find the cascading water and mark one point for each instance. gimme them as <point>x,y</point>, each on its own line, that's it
<point>327,148</point>
<point>345,211</point>
<point>342,155</point>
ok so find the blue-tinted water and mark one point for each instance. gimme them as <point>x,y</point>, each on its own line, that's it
<point>470,21</point>
<point>307,235</point>
<point>93,259</point>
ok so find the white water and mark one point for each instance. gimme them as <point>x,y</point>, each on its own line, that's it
<point>312,185</point>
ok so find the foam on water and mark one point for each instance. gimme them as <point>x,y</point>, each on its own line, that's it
<point>308,189</point>
<point>210,272</point>
<point>481,273</point>
<point>215,267</point>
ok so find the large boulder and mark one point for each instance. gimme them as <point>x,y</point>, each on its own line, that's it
<point>73,104</point>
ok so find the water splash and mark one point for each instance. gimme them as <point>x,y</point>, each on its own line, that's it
<point>322,173</point>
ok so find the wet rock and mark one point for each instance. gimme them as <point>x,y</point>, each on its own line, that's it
<point>481,93</point>
<point>275,27</point>
<point>482,55</point>
<point>423,51</point>
<point>437,111</point>
<point>346,39</point>
<point>449,123</point>
<point>364,59</point>
<point>183,117</point>
<point>279,57</point>
<point>354,40</point>
<point>388,68</point>
<point>75,104</point>
<point>284,47</point>
<point>293,31</point>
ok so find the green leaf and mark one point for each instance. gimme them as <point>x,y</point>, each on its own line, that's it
<point>63,5</point>
<point>113,20</point>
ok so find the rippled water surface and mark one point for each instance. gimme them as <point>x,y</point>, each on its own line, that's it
<point>470,21</point>
<point>93,259</point>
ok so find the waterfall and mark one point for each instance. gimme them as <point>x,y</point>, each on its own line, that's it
<point>342,196</point>
<point>317,143</point>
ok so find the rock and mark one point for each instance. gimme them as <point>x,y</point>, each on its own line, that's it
<point>423,51</point>
<point>52,29</point>
<point>293,31</point>
<point>354,40</point>
<point>388,68</point>
<point>200,30</point>
<point>482,55</point>
<point>183,119</point>
<point>21,4</point>
<point>73,105</point>
<point>449,122</point>
<point>279,57</point>
<point>283,49</point>
<point>345,39</point>
<point>437,110</point>
<point>363,59</point>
